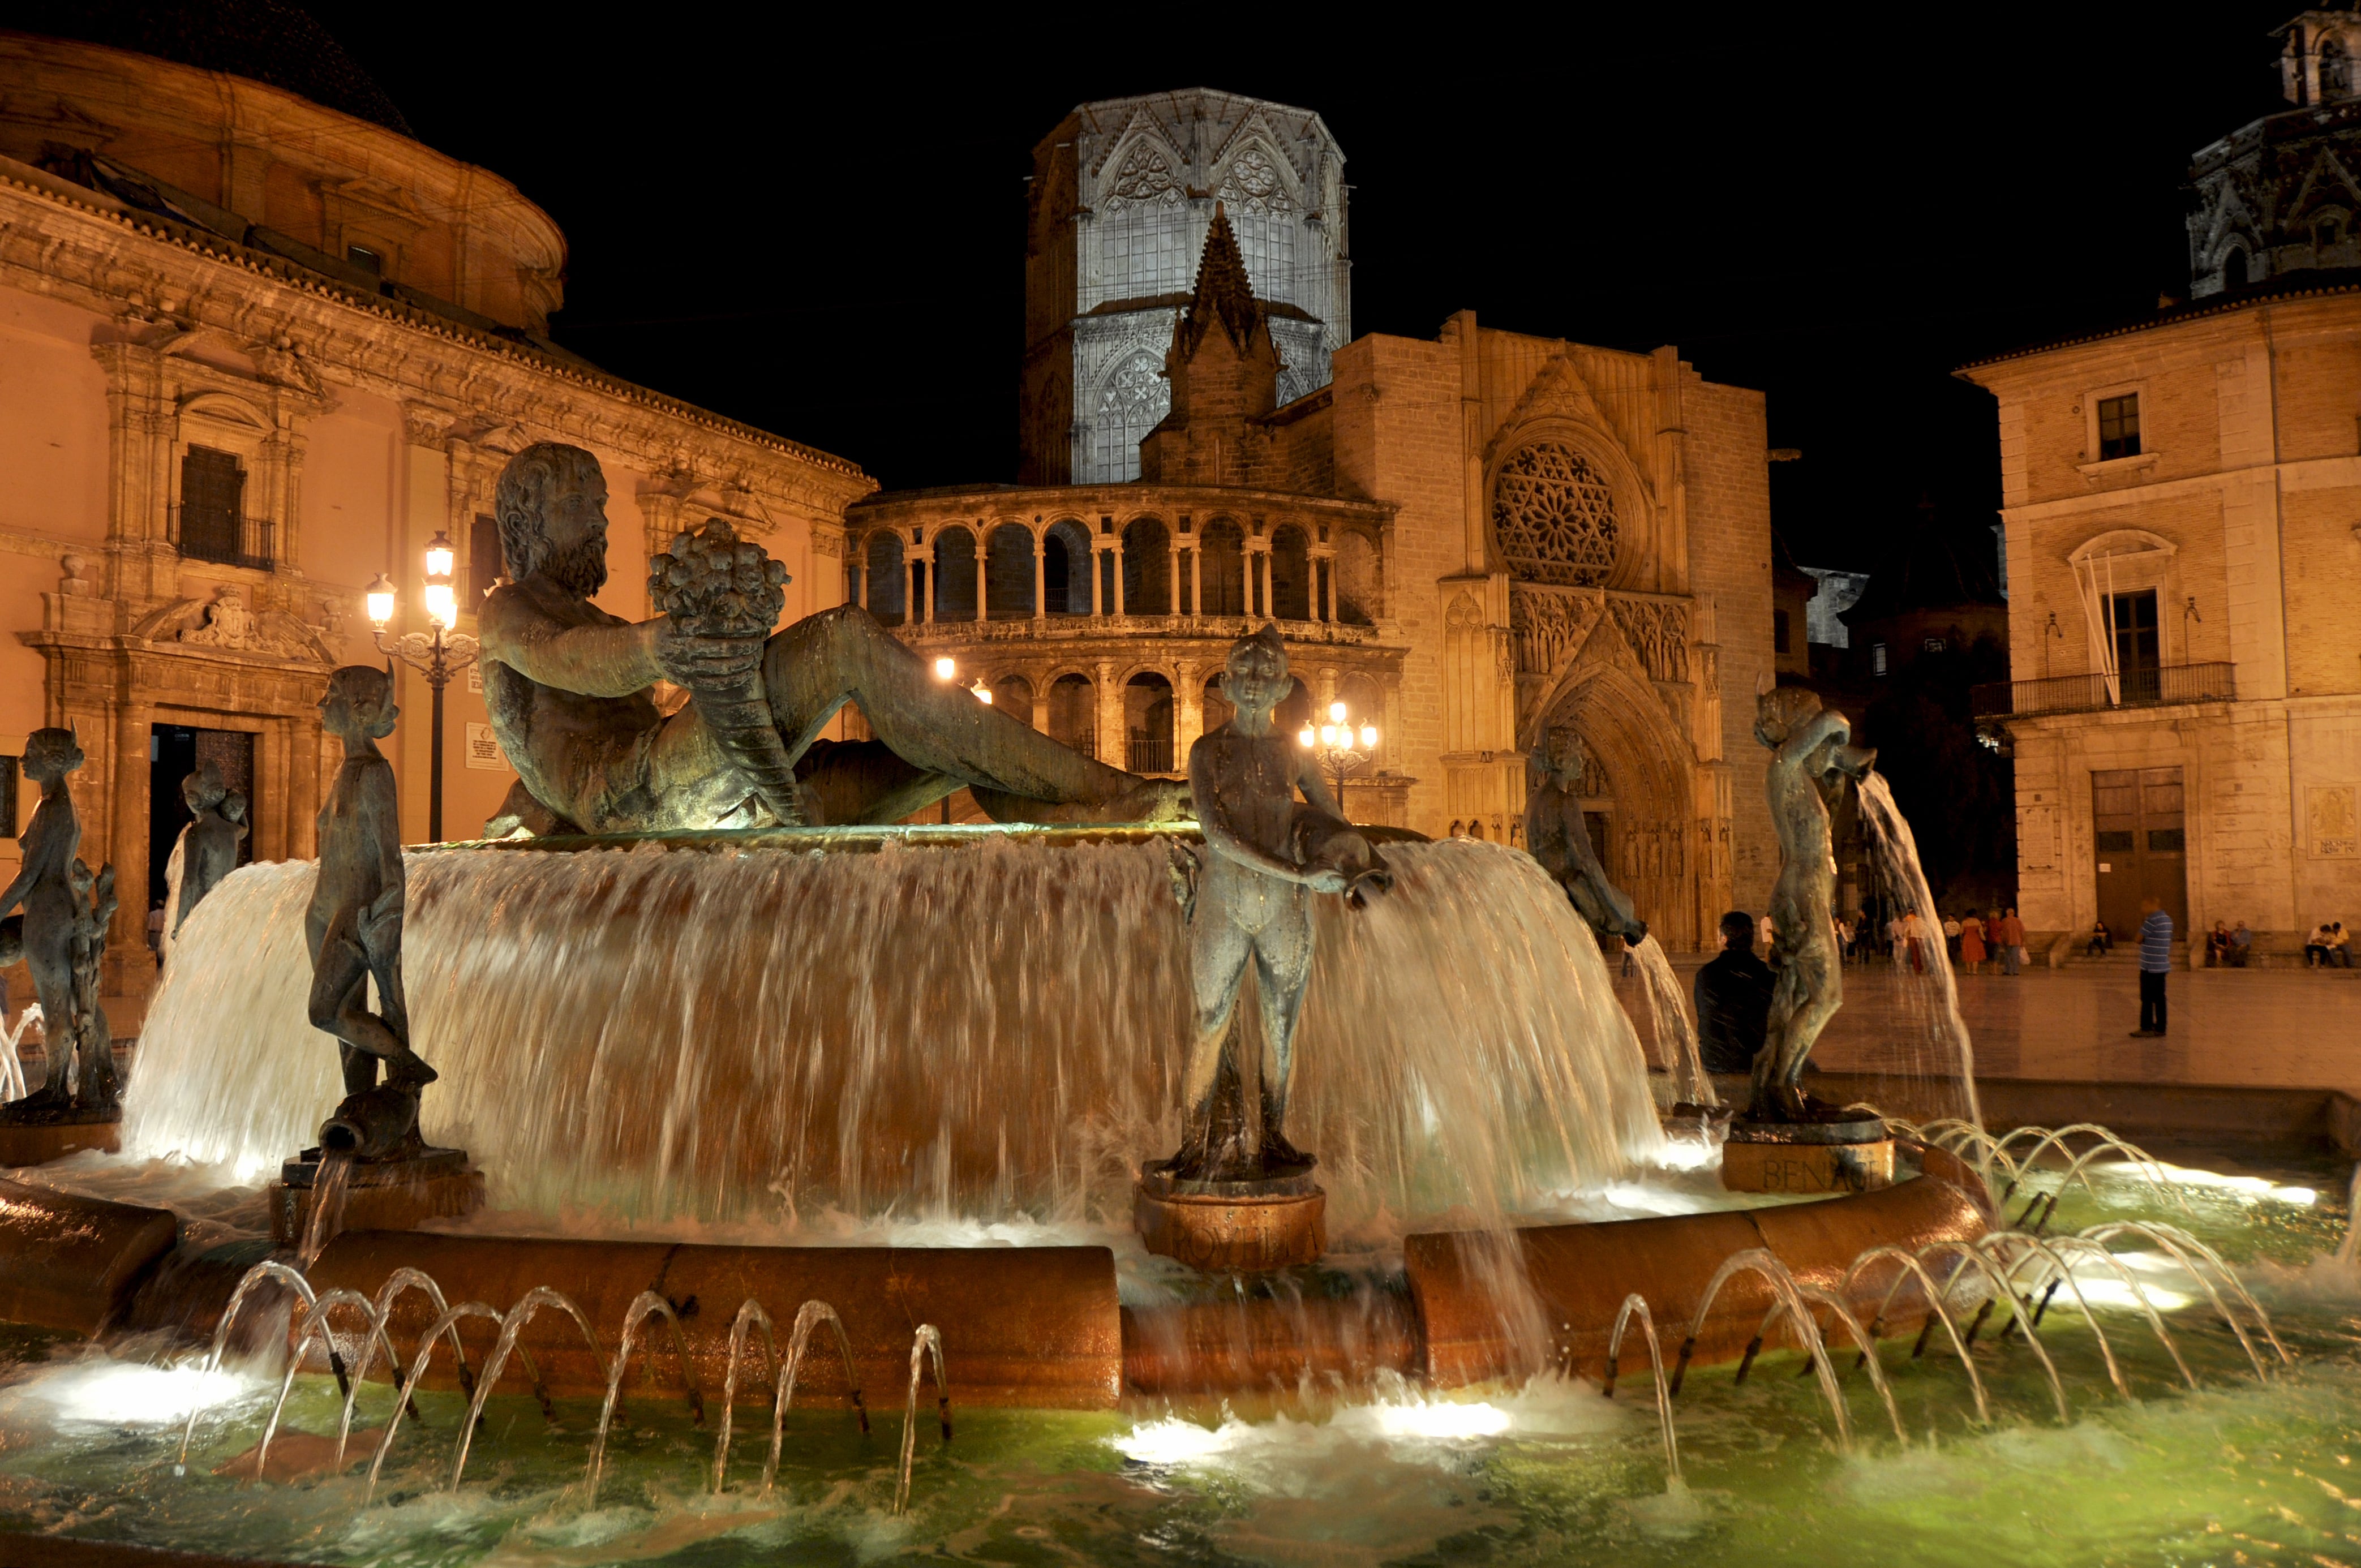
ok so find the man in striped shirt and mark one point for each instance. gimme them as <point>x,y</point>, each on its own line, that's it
<point>2155,963</point>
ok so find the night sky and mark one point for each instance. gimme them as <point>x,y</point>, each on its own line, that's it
<point>823,235</point>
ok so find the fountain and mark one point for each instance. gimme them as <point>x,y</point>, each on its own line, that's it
<point>906,1089</point>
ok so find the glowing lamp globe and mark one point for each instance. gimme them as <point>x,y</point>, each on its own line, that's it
<point>380,599</point>
<point>1369,736</point>
<point>442,605</point>
<point>1307,738</point>
<point>1337,711</point>
<point>440,557</point>
<point>945,669</point>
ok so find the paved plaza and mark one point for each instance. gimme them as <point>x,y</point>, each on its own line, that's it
<point>2289,1028</point>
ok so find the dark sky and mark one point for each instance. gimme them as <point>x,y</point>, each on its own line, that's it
<point>823,234</point>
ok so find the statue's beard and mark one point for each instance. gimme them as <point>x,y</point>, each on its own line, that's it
<point>580,569</point>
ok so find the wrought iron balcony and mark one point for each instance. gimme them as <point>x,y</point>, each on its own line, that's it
<point>213,533</point>
<point>2157,688</point>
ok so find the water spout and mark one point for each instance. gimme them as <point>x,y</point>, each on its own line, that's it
<point>1943,1050</point>
<point>925,1345</point>
<point>1676,1039</point>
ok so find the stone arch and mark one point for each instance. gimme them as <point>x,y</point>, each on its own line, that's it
<point>1651,773</point>
<point>1013,694</point>
<point>955,576</point>
<point>1224,572</point>
<point>1148,714</point>
<point>1147,566</point>
<point>1610,475</point>
<point>1073,717</point>
<point>1008,572</point>
<point>887,578</point>
<point>1290,572</point>
<point>1066,567</point>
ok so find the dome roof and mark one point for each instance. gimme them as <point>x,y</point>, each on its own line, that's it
<point>264,40</point>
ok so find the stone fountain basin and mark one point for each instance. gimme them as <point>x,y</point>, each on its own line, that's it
<point>1034,1327</point>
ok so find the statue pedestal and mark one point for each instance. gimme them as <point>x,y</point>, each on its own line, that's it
<point>379,1195</point>
<point>70,1132</point>
<point>1848,1155</point>
<point>1231,1227</point>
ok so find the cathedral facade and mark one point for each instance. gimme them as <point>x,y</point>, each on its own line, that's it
<point>1466,540</point>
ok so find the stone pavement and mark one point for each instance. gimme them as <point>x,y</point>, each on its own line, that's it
<point>2278,1028</point>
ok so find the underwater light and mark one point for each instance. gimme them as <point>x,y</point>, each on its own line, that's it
<point>1174,1442</point>
<point>116,1393</point>
<point>2249,1187</point>
<point>1442,1421</point>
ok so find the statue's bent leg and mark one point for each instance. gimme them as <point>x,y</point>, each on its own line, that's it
<point>1218,951</point>
<point>53,984</point>
<point>822,662</point>
<point>1821,984</point>
<point>339,1001</point>
<point>1282,969</point>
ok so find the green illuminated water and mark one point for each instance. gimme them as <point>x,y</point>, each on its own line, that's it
<point>2236,1470</point>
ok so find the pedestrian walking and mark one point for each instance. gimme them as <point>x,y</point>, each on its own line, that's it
<point>2012,942</point>
<point>2155,963</point>
<point>1971,942</point>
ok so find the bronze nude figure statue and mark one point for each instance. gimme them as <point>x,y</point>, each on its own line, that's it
<point>1557,837</point>
<point>1811,757</point>
<point>569,690</point>
<point>208,847</point>
<point>1250,901</point>
<point>353,928</point>
<point>61,933</point>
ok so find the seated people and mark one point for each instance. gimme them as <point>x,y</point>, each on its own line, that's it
<point>2242,946</point>
<point>2315,946</point>
<point>1733,1000</point>
<point>2102,940</point>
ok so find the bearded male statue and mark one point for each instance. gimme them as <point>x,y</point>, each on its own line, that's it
<point>569,690</point>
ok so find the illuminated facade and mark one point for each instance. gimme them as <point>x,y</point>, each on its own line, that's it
<point>253,352</point>
<point>1463,539</point>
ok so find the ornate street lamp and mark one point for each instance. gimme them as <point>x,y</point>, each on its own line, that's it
<point>439,655</point>
<point>1332,744</point>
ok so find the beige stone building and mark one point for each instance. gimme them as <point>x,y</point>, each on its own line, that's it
<point>253,352</point>
<point>1463,538</point>
<point>2183,510</point>
<point>2182,504</point>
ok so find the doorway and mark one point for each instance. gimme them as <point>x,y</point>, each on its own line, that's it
<point>2140,843</point>
<point>174,752</point>
<point>2139,655</point>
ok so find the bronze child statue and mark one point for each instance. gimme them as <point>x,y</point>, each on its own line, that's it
<point>60,899</point>
<point>209,843</point>
<point>353,927</point>
<point>1266,855</point>
<point>1556,836</point>
<point>1810,760</point>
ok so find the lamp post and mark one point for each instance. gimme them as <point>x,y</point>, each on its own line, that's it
<point>1332,746</point>
<point>439,655</point>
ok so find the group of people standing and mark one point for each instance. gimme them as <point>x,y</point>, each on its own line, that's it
<point>1972,939</point>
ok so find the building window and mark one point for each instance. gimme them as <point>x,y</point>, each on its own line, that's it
<point>1932,645</point>
<point>365,259</point>
<point>485,565</point>
<point>2138,651</point>
<point>2335,71</point>
<point>213,506</point>
<point>2330,232</point>
<point>1877,658</point>
<point>1553,515</point>
<point>1779,636</point>
<point>2233,269</point>
<point>2119,429</point>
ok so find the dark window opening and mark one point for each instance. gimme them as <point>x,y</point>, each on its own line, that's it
<point>2119,427</point>
<point>2330,232</point>
<point>2113,839</point>
<point>2233,269</point>
<point>1933,645</point>
<point>2173,840</point>
<point>484,566</point>
<point>2138,650</point>
<point>1877,658</point>
<point>365,259</point>
<point>2335,71</point>
<point>212,508</point>
<point>1780,637</point>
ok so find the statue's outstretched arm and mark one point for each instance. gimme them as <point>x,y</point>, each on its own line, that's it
<point>616,659</point>
<point>1221,837</point>
<point>1314,787</point>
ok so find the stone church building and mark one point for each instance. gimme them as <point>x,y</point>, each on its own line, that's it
<point>1463,538</point>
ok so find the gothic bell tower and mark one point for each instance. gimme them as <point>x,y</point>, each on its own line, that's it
<point>1118,209</point>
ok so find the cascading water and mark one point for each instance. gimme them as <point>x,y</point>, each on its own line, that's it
<point>1676,1035</point>
<point>989,1030</point>
<point>1937,1050</point>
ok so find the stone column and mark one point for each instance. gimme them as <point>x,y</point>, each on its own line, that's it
<point>1040,676</point>
<point>1188,710</point>
<point>1172,573</point>
<point>1098,583</point>
<point>129,969</point>
<point>1110,715</point>
<point>1040,579</point>
<point>1116,555</point>
<point>1327,569</point>
<point>912,612</point>
<point>1196,580</point>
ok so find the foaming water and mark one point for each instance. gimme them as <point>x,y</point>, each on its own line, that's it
<point>1938,1051</point>
<point>991,1030</point>
<point>1676,1039</point>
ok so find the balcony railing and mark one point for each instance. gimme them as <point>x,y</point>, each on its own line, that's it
<point>2088,694</point>
<point>208,533</point>
<point>1075,628</point>
<point>1150,756</point>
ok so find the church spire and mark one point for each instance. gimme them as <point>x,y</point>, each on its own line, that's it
<point>1224,292</point>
